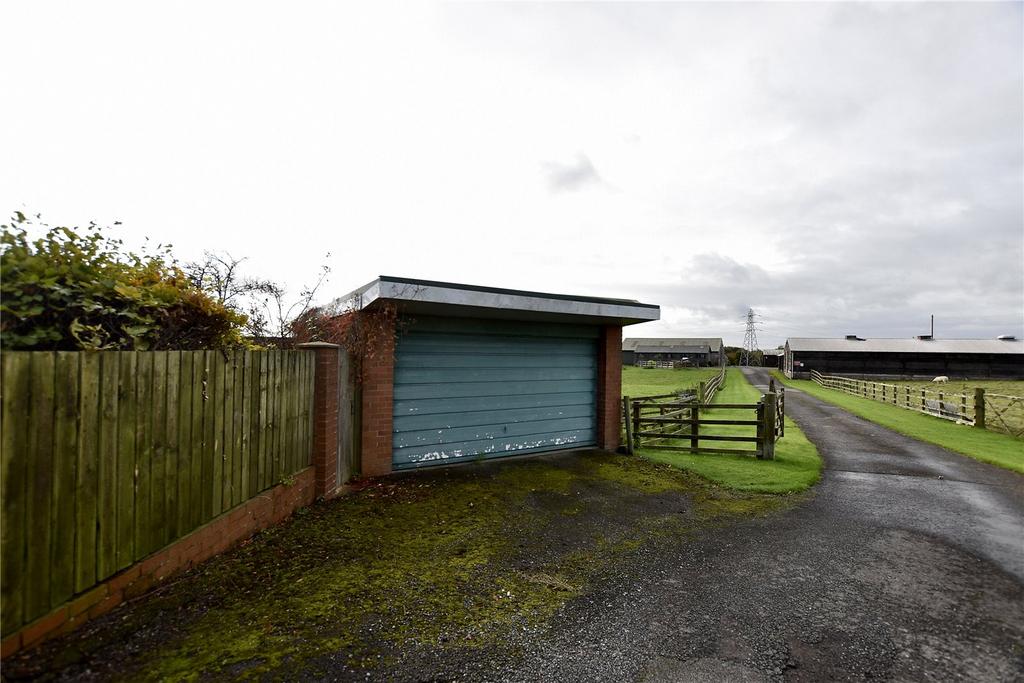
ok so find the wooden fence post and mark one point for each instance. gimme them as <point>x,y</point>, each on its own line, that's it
<point>761,438</point>
<point>979,407</point>
<point>636,424</point>
<point>701,392</point>
<point>628,423</point>
<point>782,412</point>
<point>695,425</point>
<point>769,425</point>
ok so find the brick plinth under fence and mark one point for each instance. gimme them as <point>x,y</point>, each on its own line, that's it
<point>265,510</point>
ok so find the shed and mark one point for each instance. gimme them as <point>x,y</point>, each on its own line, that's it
<point>478,372</point>
<point>919,357</point>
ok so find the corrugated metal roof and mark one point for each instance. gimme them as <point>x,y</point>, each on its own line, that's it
<point>995,346</point>
<point>631,344</point>
<point>674,349</point>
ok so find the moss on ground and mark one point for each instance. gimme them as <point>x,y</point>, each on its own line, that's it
<point>451,558</point>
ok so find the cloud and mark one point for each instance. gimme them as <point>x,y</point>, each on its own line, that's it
<point>572,176</point>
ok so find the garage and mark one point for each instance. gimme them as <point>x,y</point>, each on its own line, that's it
<point>484,389</point>
<point>472,372</point>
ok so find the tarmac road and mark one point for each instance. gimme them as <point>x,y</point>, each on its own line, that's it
<point>906,564</point>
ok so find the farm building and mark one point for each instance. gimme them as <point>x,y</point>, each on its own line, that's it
<point>698,351</point>
<point>772,358</point>
<point>479,372</point>
<point>921,357</point>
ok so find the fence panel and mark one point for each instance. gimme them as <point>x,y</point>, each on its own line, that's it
<point>107,457</point>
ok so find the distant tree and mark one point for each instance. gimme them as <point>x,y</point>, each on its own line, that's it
<point>732,354</point>
<point>75,288</point>
<point>270,314</point>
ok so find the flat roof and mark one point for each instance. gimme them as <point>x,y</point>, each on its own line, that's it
<point>430,297</point>
<point>994,346</point>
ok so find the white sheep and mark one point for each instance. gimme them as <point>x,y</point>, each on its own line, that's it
<point>941,379</point>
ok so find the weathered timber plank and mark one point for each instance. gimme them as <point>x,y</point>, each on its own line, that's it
<point>65,462</point>
<point>294,393</point>
<point>245,450</point>
<point>264,438</point>
<point>702,437</point>
<point>237,486</point>
<point>215,408</point>
<point>156,530</point>
<point>186,388</point>
<point>143,450</point>
<point>255,471</point>
<point>15,399</point>
<point>87,471</point>
<point>106,467</point>
<point>40,487</point>
<point>197,494</point>
<point>127,410</point>
<point>172,447</point>
<point>225,411</point>
<point>704,451</point>
<point>684,421</point>
<point>273,431</point>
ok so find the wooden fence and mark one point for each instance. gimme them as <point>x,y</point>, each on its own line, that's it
<point>980,408</point>
<point>1000,412</point>
<point>950,405</point>
<point>107,457</point>
<point>656,423</point>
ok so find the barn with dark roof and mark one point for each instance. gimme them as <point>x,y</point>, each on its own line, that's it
<point>699,351</point>
<point>916,358</point>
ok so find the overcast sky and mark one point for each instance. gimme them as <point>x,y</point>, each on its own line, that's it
<point>840,168</point>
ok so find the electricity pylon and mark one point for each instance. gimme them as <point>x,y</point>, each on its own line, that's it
<point>749,339</point>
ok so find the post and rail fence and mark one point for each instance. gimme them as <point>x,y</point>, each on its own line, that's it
<point>662,422</point>
<point>978,408</point>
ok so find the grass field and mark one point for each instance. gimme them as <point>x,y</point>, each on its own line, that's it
<point>1007,387</point>
<point>796,466</point>
<point>1013,416</point>
<point>657,381</point>
<point>980,444</point>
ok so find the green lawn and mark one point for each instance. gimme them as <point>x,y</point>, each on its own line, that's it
<point>980,444</point>
<point>657,381</point>
<point>796,466</point>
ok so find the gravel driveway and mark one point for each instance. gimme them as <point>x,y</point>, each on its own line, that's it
<point>907,564</point>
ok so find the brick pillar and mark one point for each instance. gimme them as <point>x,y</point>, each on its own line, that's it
<point>609,387</point>
<point>378,388</point>
<point>325,416</point>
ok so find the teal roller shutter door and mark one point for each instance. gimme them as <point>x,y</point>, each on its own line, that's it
<point>468,389</point>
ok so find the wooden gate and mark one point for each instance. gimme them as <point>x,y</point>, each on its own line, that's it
<point>672,423</point>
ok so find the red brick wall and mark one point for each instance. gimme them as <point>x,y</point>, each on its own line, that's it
<point>267,509</point>
<point>609,387</point>
<point>325,417</point>
<point>378,387</point>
